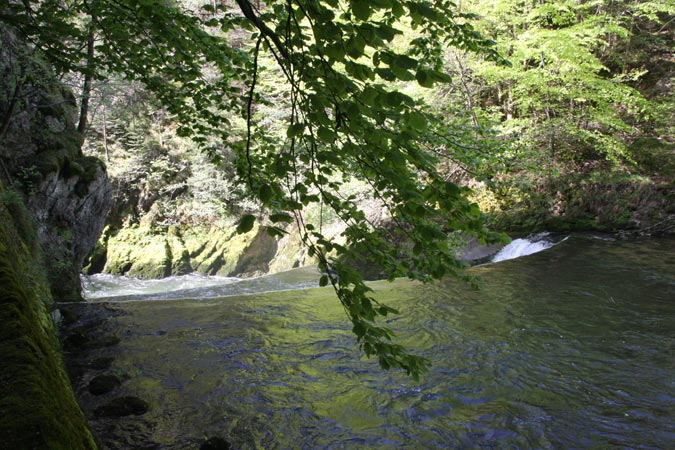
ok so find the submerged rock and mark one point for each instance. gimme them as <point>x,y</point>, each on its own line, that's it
<point>102,363</point>
<point>215,443</point>
<point>102,384</point>
<point>123,406</point>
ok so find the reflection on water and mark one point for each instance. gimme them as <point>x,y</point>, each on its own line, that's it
<point>569,348</point>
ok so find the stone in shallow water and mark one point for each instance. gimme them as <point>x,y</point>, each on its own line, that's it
<point>102,363</point>
<point>77,338</point>
<point>104,341</point>
<point>215,443</point>
<point>123,406</point>
<point>103,384</point>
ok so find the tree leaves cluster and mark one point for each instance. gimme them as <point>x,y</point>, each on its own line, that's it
<point>570,94</point>
<point>579,96</point>
<point>346,116</point>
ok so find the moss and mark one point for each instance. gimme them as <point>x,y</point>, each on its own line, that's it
<point>95,261</point>
<point>38,407</point>
<point>23,222</point>
<point>138,252</point>
<point>180,263</point>
<point>89,168</point>
<point>146,252</point>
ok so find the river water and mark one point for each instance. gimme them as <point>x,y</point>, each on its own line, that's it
<point>571,347</point>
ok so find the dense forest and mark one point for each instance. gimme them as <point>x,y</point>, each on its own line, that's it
<point>382,131</point>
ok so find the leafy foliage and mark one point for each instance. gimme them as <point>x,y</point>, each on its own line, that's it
<point>582,88</point>
<point>343,63</point>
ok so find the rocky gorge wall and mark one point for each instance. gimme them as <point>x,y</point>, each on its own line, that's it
<point>67,193</point>
<point>53,202</point>
<point>38,409</point>
<point>147,252</point>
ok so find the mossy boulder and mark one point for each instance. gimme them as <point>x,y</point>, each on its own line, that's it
<point>138,251</point>
<point>150,252</point>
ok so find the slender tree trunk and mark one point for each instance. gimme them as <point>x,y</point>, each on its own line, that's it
<point>88,75</point>
<point>467,91</point>
<point>105,137</point>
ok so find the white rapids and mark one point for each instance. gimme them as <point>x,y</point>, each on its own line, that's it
<point>526,246</point>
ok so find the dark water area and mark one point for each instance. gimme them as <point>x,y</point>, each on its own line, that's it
<point>572,347</point>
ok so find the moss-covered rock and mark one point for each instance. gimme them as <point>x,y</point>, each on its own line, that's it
<point>138,251</point>
<point>147,252</point>
<point>37,407</point>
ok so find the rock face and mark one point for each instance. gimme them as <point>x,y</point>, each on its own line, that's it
<point>38,409</point>
<point>67,193</point>
<point>142,252</point>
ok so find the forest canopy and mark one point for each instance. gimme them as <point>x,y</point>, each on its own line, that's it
<point>388,92</point>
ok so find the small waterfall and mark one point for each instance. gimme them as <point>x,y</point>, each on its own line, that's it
<point>522,247</point>
<point>105,287</point>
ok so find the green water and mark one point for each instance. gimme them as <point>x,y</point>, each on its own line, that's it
<point>573,347</point>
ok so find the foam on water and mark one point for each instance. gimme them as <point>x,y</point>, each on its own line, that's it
<point>522,247</point>
<point>122,288</point>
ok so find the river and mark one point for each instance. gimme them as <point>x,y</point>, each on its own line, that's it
<point>571,347</point>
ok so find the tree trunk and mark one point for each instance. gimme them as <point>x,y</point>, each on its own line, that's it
<point>88,75</point>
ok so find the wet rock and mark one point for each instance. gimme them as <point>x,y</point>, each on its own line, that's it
<point>215,443</point>
<point>77,338</point>
<point>68,317</point>
<point>123,406</point>
<point>102,363</point>
<point>103,384</point>
<point>105,341</point>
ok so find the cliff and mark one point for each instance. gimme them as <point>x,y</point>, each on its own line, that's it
<point>53,202</point>
<point>38,409</point>
<point>66,192</point>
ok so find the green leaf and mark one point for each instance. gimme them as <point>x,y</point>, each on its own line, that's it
<point>424,79</point>
<point>265,193</point>
<point>323,281</point>
<point>276,231</point>
<point>360,9</point>
<point>295,129</point>
<point>281,217</point>
<point>326,134</point>
<point>417,120</point>
<point>404,62</point>
<point>246,224</point>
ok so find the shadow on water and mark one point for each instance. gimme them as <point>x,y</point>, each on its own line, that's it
<point>573,347</point>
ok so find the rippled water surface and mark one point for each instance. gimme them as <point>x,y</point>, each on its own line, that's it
<point>573,347</point>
